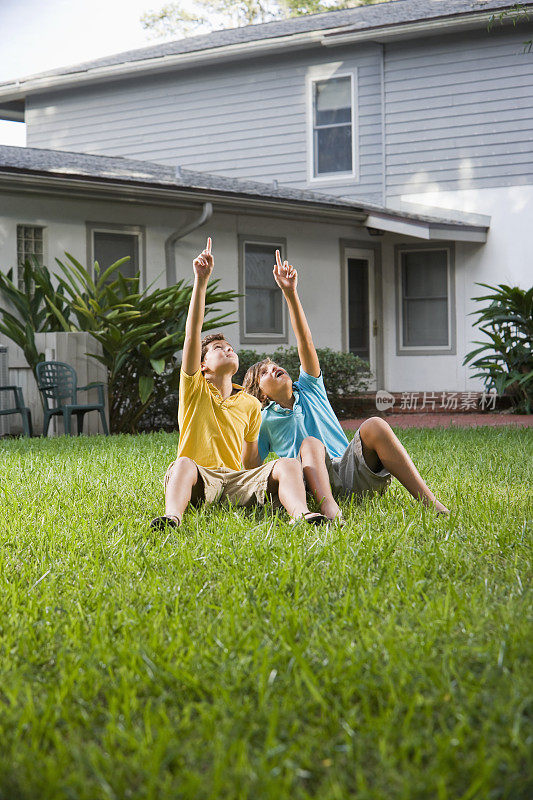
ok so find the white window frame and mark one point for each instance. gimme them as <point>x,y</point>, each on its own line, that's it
<point>429,350</point>
<point>325,73</point>
<point>128,230</point>
<point>278,243</point>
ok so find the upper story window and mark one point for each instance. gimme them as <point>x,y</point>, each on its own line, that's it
<point>262,312</point>
<point>30,247</point>
<point>332,139</point>
<point>426,299</point>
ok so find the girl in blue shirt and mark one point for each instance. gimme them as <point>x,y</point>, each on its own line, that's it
<point>298,421</point>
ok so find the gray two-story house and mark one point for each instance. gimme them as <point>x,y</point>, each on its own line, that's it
<point>387,150</point>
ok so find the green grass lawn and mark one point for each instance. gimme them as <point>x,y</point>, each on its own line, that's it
<point>240,658</point>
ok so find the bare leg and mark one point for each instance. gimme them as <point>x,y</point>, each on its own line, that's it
<point>183,484</point>
<point>382,448</point>
<point>286,480</point>
<point>313,458</point>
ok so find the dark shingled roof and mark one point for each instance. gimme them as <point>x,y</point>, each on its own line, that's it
<point>37,161</point>
<point>116,168</point>
<point>363,18</point>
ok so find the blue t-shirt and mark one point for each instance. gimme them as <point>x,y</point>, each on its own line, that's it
<point>284,429</point>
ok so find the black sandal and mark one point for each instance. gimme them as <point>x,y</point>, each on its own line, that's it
<point>312,518</point>
<point>168,521</point>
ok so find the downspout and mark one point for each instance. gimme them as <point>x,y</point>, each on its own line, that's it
<point>170,253</point>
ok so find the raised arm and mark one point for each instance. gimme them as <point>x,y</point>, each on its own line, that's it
<point>287,279</point>
<point>192,348</point>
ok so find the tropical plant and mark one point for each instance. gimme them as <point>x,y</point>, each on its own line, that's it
<point>139,330</point>
<point>505,360</point>
<point>26,310</point>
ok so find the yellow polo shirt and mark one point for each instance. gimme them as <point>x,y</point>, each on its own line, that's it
<point>213,430</point>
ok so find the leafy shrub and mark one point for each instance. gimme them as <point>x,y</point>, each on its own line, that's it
<point>161,414</point>
<point>344,373</point>
<point>506,363</point>
<point>26,311</point>
<point>139,331</point>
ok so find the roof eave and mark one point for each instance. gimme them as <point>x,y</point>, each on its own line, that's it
<point>91,187</point>
<point>94,188</point>
<point>19,89</point>
<point>406,30</point>
<point>428,230</point>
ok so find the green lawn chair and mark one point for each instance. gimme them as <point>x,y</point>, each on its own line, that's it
<point>58,385</point>
<point>18,408</point>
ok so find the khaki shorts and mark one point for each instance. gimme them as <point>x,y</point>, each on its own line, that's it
<point>243,487</point>
<point>349,474</point>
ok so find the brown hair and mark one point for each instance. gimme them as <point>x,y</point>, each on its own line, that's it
<point>251,381</point>
<point>206,341</point>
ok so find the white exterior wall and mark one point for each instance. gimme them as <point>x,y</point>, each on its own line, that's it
<point>504,258</point>
<point>312,246</point>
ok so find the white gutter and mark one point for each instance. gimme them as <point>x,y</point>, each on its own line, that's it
<point>22,88</point>
<point>19,89</point>
<point>405,30</point>
<point>173,196</point>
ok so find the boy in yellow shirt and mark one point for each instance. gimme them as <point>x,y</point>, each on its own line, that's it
<point>219,428</point>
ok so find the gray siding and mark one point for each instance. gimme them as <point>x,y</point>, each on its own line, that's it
<point>242,120</point>
<point>459,112</point>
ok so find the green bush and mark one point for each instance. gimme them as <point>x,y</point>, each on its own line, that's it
<point>139,331</point>
<point>162,412</point>
<point>26,311</point>
<point>344,373</point>
<point>505,361</point>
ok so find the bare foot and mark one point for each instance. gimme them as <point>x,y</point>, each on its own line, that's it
<point>439,508</point>
<point>330,509</point>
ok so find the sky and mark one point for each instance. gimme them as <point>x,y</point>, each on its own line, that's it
<point>38,35</point>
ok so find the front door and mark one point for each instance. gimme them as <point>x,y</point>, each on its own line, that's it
<point>361,322</point>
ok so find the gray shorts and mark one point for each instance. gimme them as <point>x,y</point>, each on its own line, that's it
<point>349,474</point>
